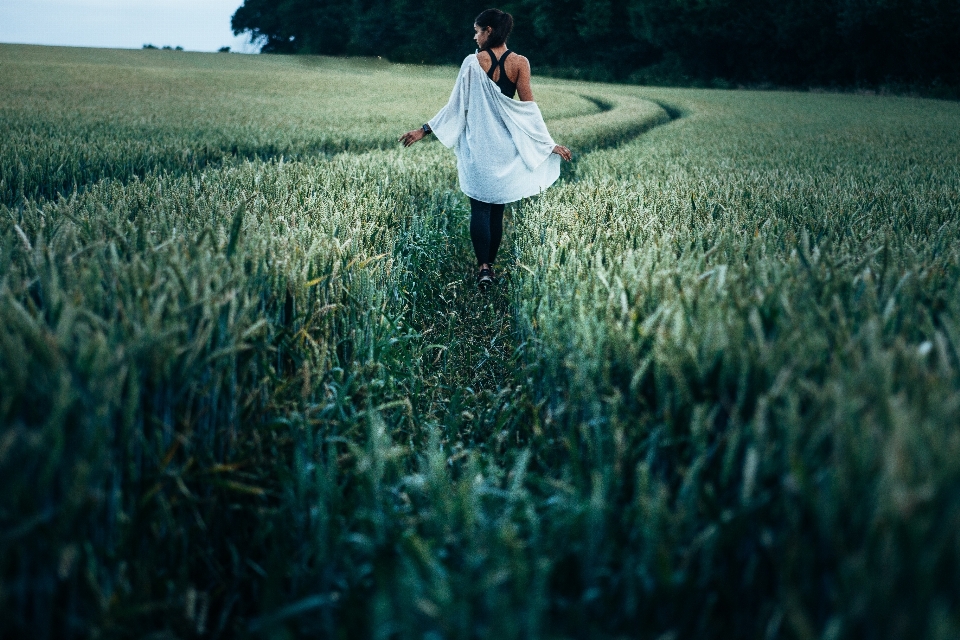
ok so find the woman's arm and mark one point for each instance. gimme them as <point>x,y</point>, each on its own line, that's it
<point>525,93</point>
<point>524,90</point>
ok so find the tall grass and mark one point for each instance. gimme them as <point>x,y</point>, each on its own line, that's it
<point>747,348</point>
<point>155,337</point>
<point>715,394</point>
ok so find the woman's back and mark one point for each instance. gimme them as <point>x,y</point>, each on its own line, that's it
<point>517,77</point>
<point>498,72</point>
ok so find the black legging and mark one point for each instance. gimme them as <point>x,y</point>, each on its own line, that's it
<point>486,230</point>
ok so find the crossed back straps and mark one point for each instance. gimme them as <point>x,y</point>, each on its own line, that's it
<point>508,88</point>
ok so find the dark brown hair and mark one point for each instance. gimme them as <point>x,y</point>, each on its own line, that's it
<point>500,21</point>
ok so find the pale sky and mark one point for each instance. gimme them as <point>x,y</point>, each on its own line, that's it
<point>195,25</point>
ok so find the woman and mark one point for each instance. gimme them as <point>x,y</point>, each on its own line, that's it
<point>504,152</point>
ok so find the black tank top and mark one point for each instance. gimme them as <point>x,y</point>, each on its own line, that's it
<point>507,88</point>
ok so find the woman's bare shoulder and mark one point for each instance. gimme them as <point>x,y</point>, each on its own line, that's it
<point>483,59</point>
<point>518,61</point>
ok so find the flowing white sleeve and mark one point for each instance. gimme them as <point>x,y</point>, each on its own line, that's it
<point>528,130</point>
<point>448,124</point>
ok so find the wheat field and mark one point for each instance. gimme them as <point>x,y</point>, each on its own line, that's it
<point>248,386</point>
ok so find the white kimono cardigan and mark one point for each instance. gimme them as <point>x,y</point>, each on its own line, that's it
<point>504,151</point>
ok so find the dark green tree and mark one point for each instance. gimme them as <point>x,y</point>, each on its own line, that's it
<point>786,42</point>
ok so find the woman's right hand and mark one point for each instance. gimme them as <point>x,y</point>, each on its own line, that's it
<point>563,152</point>
<point>412,136</point>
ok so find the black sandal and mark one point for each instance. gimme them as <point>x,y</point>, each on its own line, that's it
<point>484,279</point>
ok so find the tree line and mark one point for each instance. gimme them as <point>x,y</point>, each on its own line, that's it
<point>782,42</point>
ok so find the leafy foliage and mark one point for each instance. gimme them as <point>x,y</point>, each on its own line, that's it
<point>842,42</point>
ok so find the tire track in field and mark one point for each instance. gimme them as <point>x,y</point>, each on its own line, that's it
<point>466,341</point>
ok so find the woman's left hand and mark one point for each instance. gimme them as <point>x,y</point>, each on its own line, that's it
<point>563,152</point>
<point>412,136</point>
